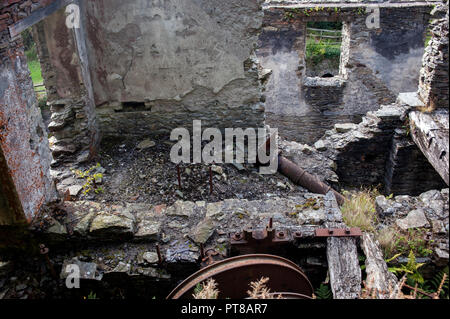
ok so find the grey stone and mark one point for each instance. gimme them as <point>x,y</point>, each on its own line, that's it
<point>308,150</point>
<point>181,254</point>
<point>110,223</point>
<point>175,225</point>
<point>57,228</point>
<point>383,206</point>
<point>82,227</point>
<point>441,257</point>
<point>146,144</point>
<point>215,211</point>
<point>345,127</point>
<point>75,190</point>
<point>181,208</point>
<point>410,98</point>
<point>179,193</point>
<point>320,146</point>
<point>148,230</point>
<point>415,219</point>
<point>238,166</point>
<point>150,257</point>
<point>21,287</point>
<point>5,267</point>
<point>203,231</point>
<point>153,273</point>
<point>430,195</point>
<point>121,268</point>
<point>217,169</point>
<point>437,206</point>
<point>438,227</point>
<point>83,157</point>
<point>87,270</point>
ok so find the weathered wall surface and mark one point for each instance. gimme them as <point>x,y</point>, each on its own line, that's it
<point>26,181</point>
<point>376,64</point>
<point>281,49</point>
<point>178,59</point>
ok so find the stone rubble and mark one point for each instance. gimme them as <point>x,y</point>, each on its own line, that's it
<point>428,211</point>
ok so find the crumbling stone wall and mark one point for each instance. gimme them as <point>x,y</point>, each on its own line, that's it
<point>378,151</point>
<point>376,64</point>
<point>433,87</point>
<point>407,169</point>
<point>24,148</point>
<point>72,129</point>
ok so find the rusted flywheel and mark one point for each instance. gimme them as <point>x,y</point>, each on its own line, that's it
<point>234,275</point>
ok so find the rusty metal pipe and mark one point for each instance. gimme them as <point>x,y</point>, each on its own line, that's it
<point>300,177</point>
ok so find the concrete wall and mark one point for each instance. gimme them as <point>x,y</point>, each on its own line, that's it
<point>164,63</point>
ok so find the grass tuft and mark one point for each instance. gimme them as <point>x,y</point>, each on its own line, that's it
<point>359,210</point>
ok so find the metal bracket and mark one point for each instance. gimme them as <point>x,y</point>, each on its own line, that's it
<point>338,232</point>
<point>259,240</point>
<point>210,257</point>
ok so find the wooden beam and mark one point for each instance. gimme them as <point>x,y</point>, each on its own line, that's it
<point>430,132</point>
<point>379,278</point>
<point>36,17</point>
<point>342,256</point>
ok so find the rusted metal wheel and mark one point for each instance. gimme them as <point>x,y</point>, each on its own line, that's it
<point>288,295</point>
<point>234,275</point>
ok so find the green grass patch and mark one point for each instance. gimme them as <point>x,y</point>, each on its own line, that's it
<point>35,66</point>
<point>318,51</point>
<point>36,74</point>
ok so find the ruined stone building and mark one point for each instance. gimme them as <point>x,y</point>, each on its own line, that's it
<point>125,71</point>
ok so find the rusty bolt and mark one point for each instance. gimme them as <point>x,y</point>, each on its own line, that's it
<point>210,180</point>
<point>158,251</point>
<point>179,176</point>
<point>44,250</point>
<point>280,234</point>
<point>237,236</point>
<point>331,232</point>
<point>298,234</point>
<point>347,231</point>
<point>202,251</point>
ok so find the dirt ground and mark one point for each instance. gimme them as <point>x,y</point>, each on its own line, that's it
<point>148,176</point>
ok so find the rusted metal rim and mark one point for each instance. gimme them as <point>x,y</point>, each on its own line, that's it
<point>234,275</point>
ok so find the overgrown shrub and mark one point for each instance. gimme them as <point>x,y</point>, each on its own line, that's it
<point>394,240</point>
